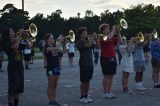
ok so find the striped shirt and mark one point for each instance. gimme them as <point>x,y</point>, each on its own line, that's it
<point>155,50</point>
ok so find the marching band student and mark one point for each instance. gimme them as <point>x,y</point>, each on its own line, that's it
<point>155,52</point>
<point>108,57</point>
<point>95,48</point>
<point>10,44</point>
<point>139,63</point>
<point>53,68</point>
<point>126,65</point>
<point>85,64</point>
<point>70,52</point>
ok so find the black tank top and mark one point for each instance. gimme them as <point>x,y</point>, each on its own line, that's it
<point>52,58</point>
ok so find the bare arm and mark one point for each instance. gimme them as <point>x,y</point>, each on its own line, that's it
<point>112,33</point>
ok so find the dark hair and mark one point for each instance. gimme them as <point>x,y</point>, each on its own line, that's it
<point>47,35</point>
<point>102,27</point>
<point>5,39</point>
<point>80,30</point>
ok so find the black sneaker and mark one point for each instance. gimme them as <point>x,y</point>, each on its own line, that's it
<point>54,103</point>
<point>157,86</point>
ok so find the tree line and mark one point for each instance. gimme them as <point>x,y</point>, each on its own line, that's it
<point>141,17</point>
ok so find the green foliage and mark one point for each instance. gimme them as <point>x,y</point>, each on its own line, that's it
<point>141,17</point>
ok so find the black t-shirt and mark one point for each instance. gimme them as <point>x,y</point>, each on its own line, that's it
<point>52,58</point>
<point>85,54</point>
<point>14,59</point>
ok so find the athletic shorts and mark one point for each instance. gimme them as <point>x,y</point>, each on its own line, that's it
<point>53,72</point>
<point>86,73</point>
<point>108,65</point>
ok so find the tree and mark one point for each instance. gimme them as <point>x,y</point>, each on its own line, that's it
<point>89,13</point>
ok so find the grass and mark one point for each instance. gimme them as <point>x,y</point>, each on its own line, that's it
<point>37,50</point>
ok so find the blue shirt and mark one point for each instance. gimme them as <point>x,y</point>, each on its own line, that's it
<point>155,50</point>
<point>138,54</point>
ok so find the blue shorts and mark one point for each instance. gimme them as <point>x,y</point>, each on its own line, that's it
<point>54,71</point>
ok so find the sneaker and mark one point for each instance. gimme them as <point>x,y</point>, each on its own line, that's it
<point>83,100</point>
<point>109,95</point>
<point>54,103</point>
<point>127,90</point>
<point>157,86</point>
<point>140,88</point>
<point>113,95</point>
<point>50,104</point>
<point>89,100</point>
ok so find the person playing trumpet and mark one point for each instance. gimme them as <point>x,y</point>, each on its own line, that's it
<point>126,65</point>
<point>108,56</point>
<point>139,61</point>
<point>85,63</point>
<point>10,44</point>
<point>155,52</point>
<point>53,68</point>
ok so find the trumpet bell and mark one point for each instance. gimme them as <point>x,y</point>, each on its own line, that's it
<point>140,37</point>
<point>33,30</point>
<point>123,23</point>
<point>155,34</point>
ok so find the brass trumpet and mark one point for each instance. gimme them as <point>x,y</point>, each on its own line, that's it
<point>32,30</point>
<point>154,34</point>
<point>71,36</point>
<point>140,37</point>
<point>123,24</point>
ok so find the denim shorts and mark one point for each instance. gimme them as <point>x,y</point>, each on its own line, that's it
<point>53,72</point>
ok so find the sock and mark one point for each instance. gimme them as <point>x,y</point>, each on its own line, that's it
<point>10,104</point>
<point>15,102</point>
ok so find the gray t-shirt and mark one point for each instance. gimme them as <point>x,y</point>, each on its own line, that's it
<point>85,54</point>
<point>138,54</point>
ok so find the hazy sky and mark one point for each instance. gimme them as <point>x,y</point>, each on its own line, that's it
<point>72,7</point>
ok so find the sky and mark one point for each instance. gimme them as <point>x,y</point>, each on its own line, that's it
<point>70,8</point>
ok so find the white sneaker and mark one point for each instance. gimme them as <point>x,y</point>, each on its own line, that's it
<point>109,95</point>
<point>140,88</point>
<point>113,95</point>
<point>83,100</point>
<point>89,100</point>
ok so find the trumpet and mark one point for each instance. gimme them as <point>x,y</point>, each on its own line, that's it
<point>154,34</point>
<point>71,36</point>
<point>24,33</point>
<point>140,37</point>
<point>123,24</point>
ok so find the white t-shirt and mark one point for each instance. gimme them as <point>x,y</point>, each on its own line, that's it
<point>70,47</point>
<point>27,51</point>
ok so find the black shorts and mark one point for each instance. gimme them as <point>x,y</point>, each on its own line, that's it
<point>27,57</point>
<point>108,65</point>
<point>155,63</point>
<point>70,55</point>
<point>86,73</point>
<point>60,54</point>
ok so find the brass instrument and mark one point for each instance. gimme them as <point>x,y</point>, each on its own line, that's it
<point>32,31</point>
<point>123,24</point>
<point>140,37</point>
<point>154,34</point>
<point>71,36</point>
